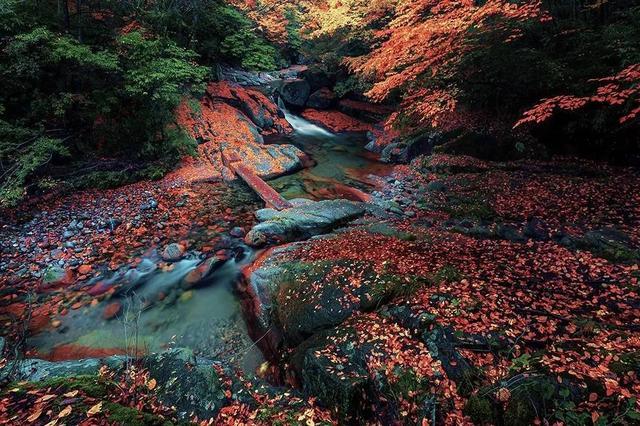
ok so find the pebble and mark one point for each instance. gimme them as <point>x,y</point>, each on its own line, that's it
<point>173,252</point>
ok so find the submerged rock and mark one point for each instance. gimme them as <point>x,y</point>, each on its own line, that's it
<point>35,370</point>
<point>302,222</point>
<point>203,270</point>
<point>111,310</point>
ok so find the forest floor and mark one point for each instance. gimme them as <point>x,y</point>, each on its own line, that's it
<point>511,297</point>
<point>502,293</point>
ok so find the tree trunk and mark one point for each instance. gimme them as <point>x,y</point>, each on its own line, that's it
<point>79,19</point>
<point>65,11</point>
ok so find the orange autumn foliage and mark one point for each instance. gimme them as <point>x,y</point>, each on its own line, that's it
<point>616,90</point>
<point>425,39</point>
<point>335,121</point>
<point>270,16</point>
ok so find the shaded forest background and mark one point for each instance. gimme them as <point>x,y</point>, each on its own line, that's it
<point>89,88</point>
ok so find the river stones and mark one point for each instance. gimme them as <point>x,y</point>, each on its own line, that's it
<point>111,310</point>
<point>302,222</point>
<point>199,273</point>
<point>173,252</point>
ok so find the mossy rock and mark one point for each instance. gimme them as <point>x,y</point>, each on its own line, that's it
<point>92,385</point>
<point>339,386</point>
<point>608,244</point>
<point>121,415</point>
<point>310,297</point>
<point>187,383</point>
<point>530,396</point>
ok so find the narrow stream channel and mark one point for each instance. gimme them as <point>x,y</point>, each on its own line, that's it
<point>158,312</point>
<point>342,163</point>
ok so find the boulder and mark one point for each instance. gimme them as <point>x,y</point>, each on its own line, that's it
<point>268,161</point>
<point>407,148</point>
<point>303,298</point>
<point>254,104</point>
<point>173,252</point>
<point>295,92</point>
<point>321,99</point>
<point>316,78</point>
<point>302,222</point>
<point>187,382</point>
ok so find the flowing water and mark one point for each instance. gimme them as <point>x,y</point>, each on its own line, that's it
<point>158,312</point>
<point>342,164</point>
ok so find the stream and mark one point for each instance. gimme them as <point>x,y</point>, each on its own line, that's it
<point>158,312</point>
<point>342,163</point>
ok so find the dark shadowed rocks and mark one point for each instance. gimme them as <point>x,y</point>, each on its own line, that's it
<point>321,99</point>
<point>295,92</point>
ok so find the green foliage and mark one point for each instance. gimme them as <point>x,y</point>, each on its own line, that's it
<point>521,363</point>
<point>448,273</point>
<point>215,30</point>
<point>351,85</point>
<point>294,39</point>
<point>245,47</point>
<point>21,158</point>
<point>66,99</point>
<point>158,70</point>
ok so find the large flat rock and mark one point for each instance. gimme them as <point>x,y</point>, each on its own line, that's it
<point>302,221</point>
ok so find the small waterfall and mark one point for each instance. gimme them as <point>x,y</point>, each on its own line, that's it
<point>302,126</point>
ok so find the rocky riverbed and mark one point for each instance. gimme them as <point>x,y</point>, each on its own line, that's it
<point>448,291</point>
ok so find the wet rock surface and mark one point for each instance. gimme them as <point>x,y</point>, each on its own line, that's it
<point>35,370</point>
<point>303,221</point>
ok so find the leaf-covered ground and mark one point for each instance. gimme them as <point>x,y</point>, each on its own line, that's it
<point>506,294</point>
<point>515,299</point>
